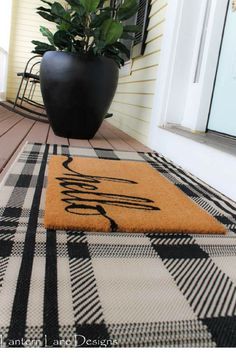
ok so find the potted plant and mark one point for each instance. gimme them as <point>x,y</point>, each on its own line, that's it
<point>79,68</point>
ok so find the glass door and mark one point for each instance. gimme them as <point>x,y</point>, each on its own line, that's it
<point>222,117</point>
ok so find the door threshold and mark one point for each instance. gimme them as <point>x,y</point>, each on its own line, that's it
<point>220,142</point>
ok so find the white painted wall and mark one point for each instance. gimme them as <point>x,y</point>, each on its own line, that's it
<point>25,28</point>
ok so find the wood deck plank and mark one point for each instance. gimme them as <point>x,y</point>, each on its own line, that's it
<point>39,133</point>
<point>79,143</point>
<point>57,140</point>
<point>12,159</point>
<point>8,123</point>
<point>12,139</point>
<point>117,143</point>
<point>138,146</point>
<point>5,114</point>
<point>3,111</point>
<point>21,110</point>
<point>100,142</point>
<point>16,130</point>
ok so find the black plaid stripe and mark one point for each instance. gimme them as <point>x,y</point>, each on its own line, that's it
<point>106,154</point>
<point>136,251</point>
<point>126,290</point>
<point>3,267</point>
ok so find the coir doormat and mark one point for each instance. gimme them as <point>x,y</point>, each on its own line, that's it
<point>126,196</point>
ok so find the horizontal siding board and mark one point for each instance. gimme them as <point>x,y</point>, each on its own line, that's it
<point>25,28</point>
<point>139,100</point>
<point>156,32</point>
<point>157,18</point>
<point>139,126</point>
<point>133,111</point>
<point>137,87</point>
<point>157,6</point>
<point>146,61</point>
<point>141,75</point>
<point>133,102</point>
<point>154,46</point>
<point>120,124</point>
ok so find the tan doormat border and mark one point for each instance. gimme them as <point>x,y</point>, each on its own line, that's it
<point>125,196</point>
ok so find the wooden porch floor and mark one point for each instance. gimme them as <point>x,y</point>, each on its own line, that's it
<point>15,130</point>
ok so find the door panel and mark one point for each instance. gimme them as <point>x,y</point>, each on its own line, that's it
<point>223,109</point>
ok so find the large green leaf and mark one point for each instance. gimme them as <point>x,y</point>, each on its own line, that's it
<point>99,19</point>
<point>46,33</point>
<point>118,59</point>
<point>90,5</point>
<point>111,31</point>
<point>41,8</point>
<point>100,44</point>
<point>72,22</point>
<point>62,39</point>
<point>58,9</point>
<point>122,48</point>
<point>41,47</point>
<point>47,2</point>
<point>37,42</point>
<point>73,2</point>
<point>46,16</point>
<point>77,7</point>
<point>78,24</point>
<point>127,9</point>
<point>65,23</point>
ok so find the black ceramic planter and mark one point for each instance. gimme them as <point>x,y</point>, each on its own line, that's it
<point>77,92</point>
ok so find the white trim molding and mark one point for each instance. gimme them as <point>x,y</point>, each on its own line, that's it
<point>199,93</point>
<point>166,65</point>
<point>180,98</point>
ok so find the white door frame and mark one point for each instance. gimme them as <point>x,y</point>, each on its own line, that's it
<point>180,98</point>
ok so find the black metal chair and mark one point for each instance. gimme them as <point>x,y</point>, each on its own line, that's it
<point>29,80</point>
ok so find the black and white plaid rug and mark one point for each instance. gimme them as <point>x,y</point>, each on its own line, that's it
<point>70,289</point>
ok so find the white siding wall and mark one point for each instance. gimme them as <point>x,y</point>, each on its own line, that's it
<point>133,102</point>
<point>25,28</point>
